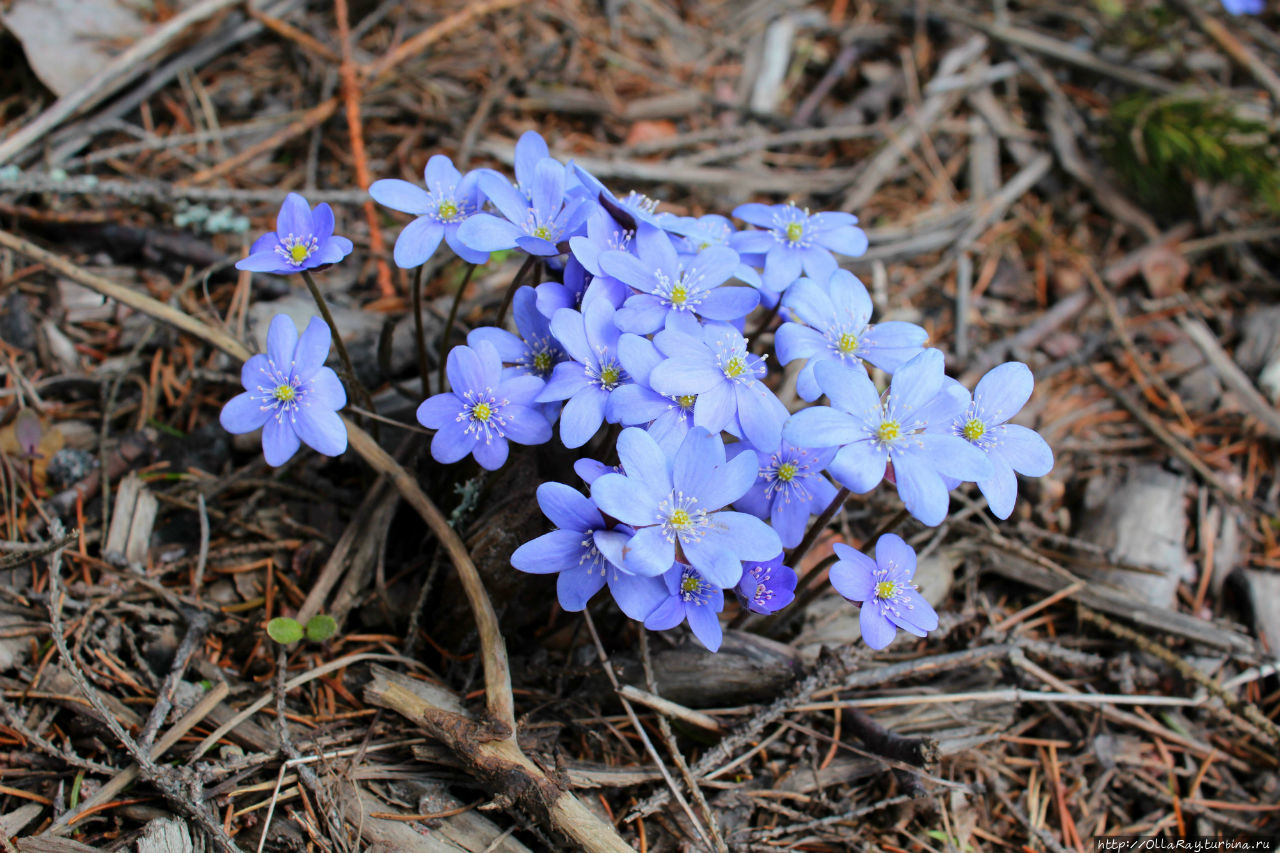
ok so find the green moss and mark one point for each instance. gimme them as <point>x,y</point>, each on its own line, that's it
<point>1160,146</point>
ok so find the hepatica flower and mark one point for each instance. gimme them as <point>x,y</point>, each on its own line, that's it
<point>904,428</point>
<point>832,322</point>
<point>303,240</point>
<point>588,381</point>
<point>668,286</point>
<point>484,411</point>
<point>289,394</point>
<point>690,597</point>
<point>789,488</point>
<point>1245,7</point>
<point>535,351</point>
<point>766,587</point>
<point>677,506</point>
<point>450,197</point>
<point>794,241</point>
<point>571,553</point>
<point>999,396</point>
<point>536,222</point>
<point>725,377</point>
<point>890,601</point>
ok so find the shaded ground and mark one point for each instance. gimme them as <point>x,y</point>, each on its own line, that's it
<point>1090,190</point>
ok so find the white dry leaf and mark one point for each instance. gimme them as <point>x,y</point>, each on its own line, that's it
<point>68,41</point>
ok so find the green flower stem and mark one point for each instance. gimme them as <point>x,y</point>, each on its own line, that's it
<point>447,332</point>
<point>819,524</point>
<point>420,336</point>
<point>525,269</point>
<point>361,392</point>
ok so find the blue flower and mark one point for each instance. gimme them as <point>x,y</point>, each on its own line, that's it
<point>677,506</point>
<point>588,381</point>
<point>571,552</point>
<point>1245,7</point>
<point>669,287</point>
<point>832,321</point>
<point>998,396</point>
<point>535,351</point>
<point>303,240</point>
<point>531,149</point>
<point>703,232</point>
<point>536,222</point>
<point>639,206</point>
<point>904,428</point>
<point>766,587</point>
<point>789,488</point>
<point>725,377</point>
<point>604,234</point>
<point>450,197</point>
<point>484,410</point>
<point>889,600</point>
<point>669,419</point>
<point>796,241</point>
<point>289,394</point>
<point>691,597</point>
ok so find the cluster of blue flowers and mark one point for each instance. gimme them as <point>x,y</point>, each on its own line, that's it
<point>638,321</point>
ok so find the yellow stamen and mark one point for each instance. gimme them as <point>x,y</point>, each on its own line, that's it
<point>886,589</point>
<point>974,429</point>
<point>284,393</point>
<point>889,431</point>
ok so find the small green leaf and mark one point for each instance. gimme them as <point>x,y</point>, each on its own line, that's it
<point>321,627</point>
<point>284,630</point>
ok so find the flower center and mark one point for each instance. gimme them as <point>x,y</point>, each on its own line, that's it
<point>888,431</point>
<point>686,401</point>
<point>447,210</point>
<point>542,232</point>
<point>787,471</point>
<point>295,250</point>
<point>542,362</point>
<point>609,376</point>
<point>285,393</point>
<point>735,367</point>
<point>847,343</point>
<point>886,590</point>
<point>795,232</point>
<point>693,589</point>
<point>680,519</point>
<point>974,429</point>
<point>482,413</point>
<point>679,294</point>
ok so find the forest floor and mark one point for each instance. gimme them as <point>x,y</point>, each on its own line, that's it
<point>1092,189</point>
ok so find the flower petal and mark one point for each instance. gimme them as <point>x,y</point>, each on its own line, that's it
<point>491,452</point>
<point>646,464</point>
<point>636,595</point>
<point>877,631</point>
<point>321,429</point>
<point>821,426</point>
<point>400,195</point>
<point>279,441</point>
<point>525,425</point>
<point>714,560</point>
<point>1024,450</point>
<point>552,552</point>
<point>705,624</point>
<point>853,576</point>
<point>1004,390</point>
<point>417,242</point>
<point>439,409</point>
<point>452,442</point>
<point>242,414</point>
<point>282,340</point>
<point>896,556</point>
<point>465,370</point>
<point>294,218</point>
<point>485,232</point>
<point>921,488</point>
<point>625,498</point>
<point>312,349</point>
<point>859,465</point>
<point>582,416</point>
<point>666,615</point>
<point>576,586</point>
